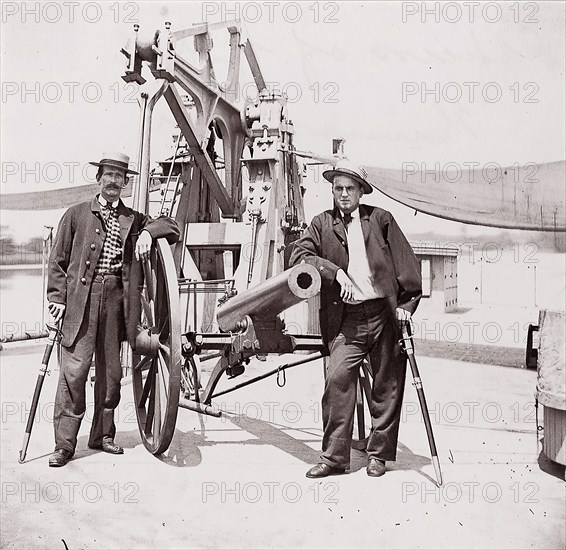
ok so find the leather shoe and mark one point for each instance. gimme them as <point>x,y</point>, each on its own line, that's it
<point>108,446</point>
<point>375,467</point>
<point>111,447</point>
<point>322,470</point>
<point>60,457</point>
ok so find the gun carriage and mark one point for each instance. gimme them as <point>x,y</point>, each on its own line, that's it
<point>233,184</point>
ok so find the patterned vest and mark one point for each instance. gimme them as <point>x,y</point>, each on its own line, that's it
<point>110,260</point>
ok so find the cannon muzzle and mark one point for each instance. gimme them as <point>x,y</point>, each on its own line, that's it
<point>271,297</point>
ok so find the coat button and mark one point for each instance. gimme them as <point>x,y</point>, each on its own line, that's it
<point>97,230</point>
<point>83,281</point>
<point>87,262</point>
<point>92,246</point>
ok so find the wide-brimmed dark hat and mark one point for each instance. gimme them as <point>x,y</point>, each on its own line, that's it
<point>346,168</point>
<point>116,160</point>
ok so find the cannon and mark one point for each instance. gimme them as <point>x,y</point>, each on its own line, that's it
<point>270,298</point>
<point>249,326</point>
<point>222,295</point>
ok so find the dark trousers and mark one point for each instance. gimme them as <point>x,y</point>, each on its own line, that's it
<point>368,329</point>
<point>100,333</point>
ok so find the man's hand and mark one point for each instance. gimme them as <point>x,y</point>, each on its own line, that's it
<point>346,285</point>
<point>143,246</point>
<point>56,311</point>
<point>403,315</point>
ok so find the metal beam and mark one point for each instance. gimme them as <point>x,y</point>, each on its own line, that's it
<point>254,66</point>
<point>201,158</point>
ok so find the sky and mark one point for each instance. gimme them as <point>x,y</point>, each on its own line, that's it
<point>432,83</point>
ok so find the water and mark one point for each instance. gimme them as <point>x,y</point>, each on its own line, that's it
<point>21,302</point>
<point>516,278</point>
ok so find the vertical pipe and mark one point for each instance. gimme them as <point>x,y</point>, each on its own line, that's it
<point>255,226</point>
<point>140,190</point>
<point>195,307</point>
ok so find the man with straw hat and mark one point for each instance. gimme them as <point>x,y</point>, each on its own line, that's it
<point>371,280</point>
<point>88,281</point>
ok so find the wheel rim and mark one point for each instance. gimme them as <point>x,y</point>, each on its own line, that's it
<point>156,364</point>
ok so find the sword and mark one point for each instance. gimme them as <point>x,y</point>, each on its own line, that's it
<point>408,347</point>
<point>52,338</point>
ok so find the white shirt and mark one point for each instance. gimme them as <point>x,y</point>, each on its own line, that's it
<point>359,271</point>
<point>104,202</point>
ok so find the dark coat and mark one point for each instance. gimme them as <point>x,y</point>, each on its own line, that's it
<point>75,253</point>
<point>394,266</point>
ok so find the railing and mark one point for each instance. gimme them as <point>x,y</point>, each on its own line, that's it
<point>223,287</point>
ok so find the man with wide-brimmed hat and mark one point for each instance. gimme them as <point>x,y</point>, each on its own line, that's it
<point>371,279</point>
<point>88,280</point>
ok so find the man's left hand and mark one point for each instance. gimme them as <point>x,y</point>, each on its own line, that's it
<point>143,246</point>
<point>403,315</point>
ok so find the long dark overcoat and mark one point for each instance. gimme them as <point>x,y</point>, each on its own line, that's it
<point>77,247</point>
<point>394,266</point>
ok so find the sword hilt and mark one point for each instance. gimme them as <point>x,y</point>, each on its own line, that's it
<point>54,332</point>
<point>406,341</point>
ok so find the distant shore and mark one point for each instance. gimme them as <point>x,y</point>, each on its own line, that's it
<point>20,267</point>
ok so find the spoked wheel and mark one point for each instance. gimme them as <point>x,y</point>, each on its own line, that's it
<point>156,366</point>
<point>190,378</point>
<point>362,415</point>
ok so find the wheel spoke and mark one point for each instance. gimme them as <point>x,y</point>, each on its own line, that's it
<point>148,277</point>
<point>162,314</point>
<point>164,377</point>
<point>166,352</point>
<point>150,286</point>
<point>151,407</point>
<point>195,369</point>
<point>163,329</point>
<point>146,387</point>
<point>157,405</point>
<point>142,363</point>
